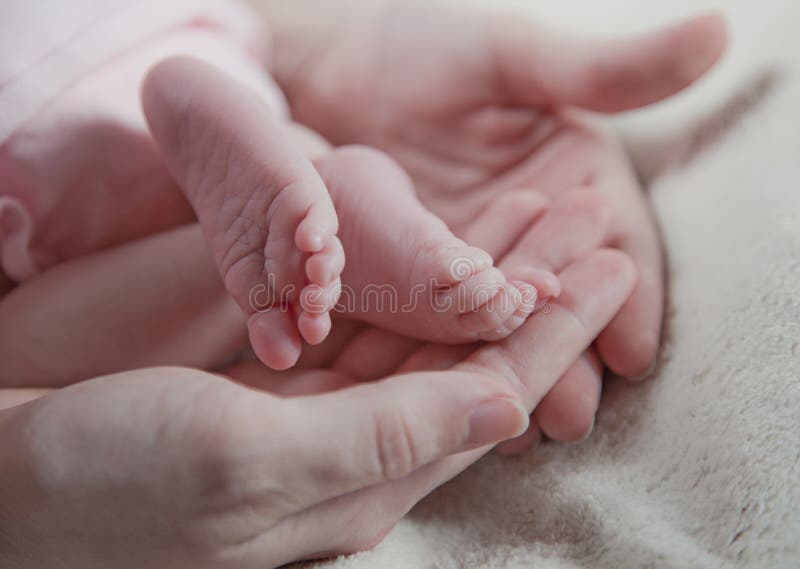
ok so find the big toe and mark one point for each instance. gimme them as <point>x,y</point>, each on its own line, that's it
<point>274,338</point>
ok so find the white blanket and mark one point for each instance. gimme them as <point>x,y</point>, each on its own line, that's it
<point>698,465</point>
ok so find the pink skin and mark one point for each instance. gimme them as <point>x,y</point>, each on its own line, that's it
<point>393,240</point>
<point>593,288</point>
<point>341,445</point>
<point>227,432</point>
<point>477,113</point>
<point>262,205</point>
<point>273,222</point>
<point>667,51</point>
<point>223,433</point>
<point>159,301</point>
<point>57,240</point>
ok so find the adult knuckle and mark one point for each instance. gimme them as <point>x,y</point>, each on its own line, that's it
<point>397,450</point>
<point>224,432</point>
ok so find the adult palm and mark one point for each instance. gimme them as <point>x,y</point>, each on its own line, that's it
<point>479,103</point>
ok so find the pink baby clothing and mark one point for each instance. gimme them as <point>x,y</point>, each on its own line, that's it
<point>78,170</point>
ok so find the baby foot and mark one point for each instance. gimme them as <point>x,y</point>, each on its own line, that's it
<point>407,272</point>
<point>262,206</point>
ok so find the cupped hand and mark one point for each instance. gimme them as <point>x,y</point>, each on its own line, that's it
<point>181,468</point>
<point>485,113</point>
<point>172,467</point>
<point>472,98</point>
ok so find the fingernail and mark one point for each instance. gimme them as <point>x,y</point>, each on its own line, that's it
<point>497,420</point>
<point>588,432</point>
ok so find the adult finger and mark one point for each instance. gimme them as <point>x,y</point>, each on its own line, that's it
<point>580,219</point>
<point>567,412</point>
<point>504,220</point>
<point>538,64</point>
<point>575,225</point>
<point>629,345</point>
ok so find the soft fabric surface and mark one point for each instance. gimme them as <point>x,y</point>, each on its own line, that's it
<point>698,465</point>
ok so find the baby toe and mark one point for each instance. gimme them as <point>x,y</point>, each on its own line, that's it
<point>546,282</point>
<point>471,294</point>
<point>451,265</point>
<point>316,299</point>
<point>316,302</point>
<point>314,328</point>
<point>327,265</point>
<point>274,338</point>
<point>318,227</point>
<point>503,313</point>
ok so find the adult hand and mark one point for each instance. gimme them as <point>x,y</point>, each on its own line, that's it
<point>180,468</point>
<point>170,467</point>
<point>482,112</point>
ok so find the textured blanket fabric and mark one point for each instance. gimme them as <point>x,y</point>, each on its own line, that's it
<point>698,465</point>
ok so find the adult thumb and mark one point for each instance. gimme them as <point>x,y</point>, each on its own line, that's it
<point>541,65</point>
<point>375,432</point>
